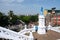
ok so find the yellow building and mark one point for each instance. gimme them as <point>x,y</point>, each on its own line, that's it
<point>45,12</point>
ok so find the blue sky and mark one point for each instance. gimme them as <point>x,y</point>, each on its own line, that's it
<point>27,6</point>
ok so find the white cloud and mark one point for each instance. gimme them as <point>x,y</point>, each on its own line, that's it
<point>10,2</point>
<point>7,1</point>
<point>19,0</point>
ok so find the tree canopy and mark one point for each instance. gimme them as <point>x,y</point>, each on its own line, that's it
<point>11,18</point>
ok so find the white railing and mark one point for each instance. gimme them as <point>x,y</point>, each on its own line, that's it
<point>57,29</point>
<point>8,34</point>
<point>26,31</point>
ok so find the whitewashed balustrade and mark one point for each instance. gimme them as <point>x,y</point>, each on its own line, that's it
<point>9,34</point>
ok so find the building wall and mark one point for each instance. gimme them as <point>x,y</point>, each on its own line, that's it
<point>45,12</point>
<point>52,17</point>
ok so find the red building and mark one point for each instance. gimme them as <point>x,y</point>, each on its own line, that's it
<point>56,20</point>
<point>53,16</point>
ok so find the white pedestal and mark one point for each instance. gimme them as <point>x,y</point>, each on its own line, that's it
<point>41,27</point>
<point>41,30</point>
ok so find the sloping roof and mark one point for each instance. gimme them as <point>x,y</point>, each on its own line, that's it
<point>57,11</point>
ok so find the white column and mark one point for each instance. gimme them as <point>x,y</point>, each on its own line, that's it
<point>41,27</point>
<point>25,26</point>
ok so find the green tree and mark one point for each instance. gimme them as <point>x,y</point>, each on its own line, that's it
<point>34,18</point>
<point>26,19</point>
<point>12,18</point>
<point>1,15</point>
<point>3,20</point>
<point>10,15</point>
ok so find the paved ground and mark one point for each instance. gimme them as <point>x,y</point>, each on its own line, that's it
<point>51,35</point>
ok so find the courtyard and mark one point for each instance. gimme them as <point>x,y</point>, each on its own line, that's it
<point>50,35</point>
